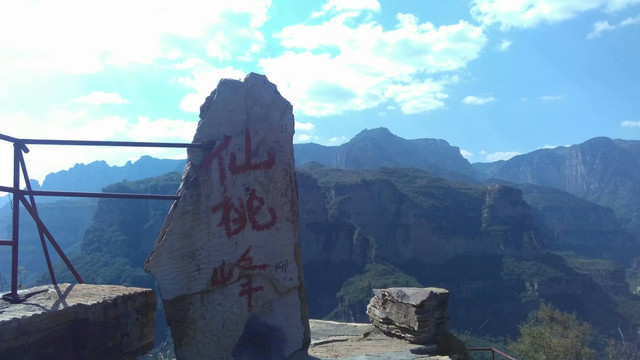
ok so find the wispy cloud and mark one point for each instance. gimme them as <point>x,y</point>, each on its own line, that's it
<point>477,100</point>
<point>304,126</point>
<point>93,41</point>
<point>352,5</point>
<point>504,45</point>
<point>337,140</point>
<point>365,64</point>
<point>548,147</point>
<point>301,138</point>
<point>551,97</point>
<point>500,155</point>
<point>466,154</point>
<point>601,27</point>
<point>61,123</point>
<point>99,98</point>
<point>530,13</point>
<point>630,123</point>
<point>202,79</point>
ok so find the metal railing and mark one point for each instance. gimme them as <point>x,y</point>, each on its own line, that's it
<point>20,197</point>
<point>493,353</point>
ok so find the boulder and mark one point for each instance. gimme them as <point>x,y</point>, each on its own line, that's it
<point>227,260</point>
<point>419,315</point>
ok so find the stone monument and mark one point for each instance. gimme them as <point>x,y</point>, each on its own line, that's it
<point>227,261</point>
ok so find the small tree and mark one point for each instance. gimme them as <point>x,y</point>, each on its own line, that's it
<point>550,334</point>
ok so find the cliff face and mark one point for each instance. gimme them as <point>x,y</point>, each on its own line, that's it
<point>427,227</point>
<point>65,219</point>
<point>573,224</point>
<point>600,170</point>
<point>480,242</point>
<point>387,215</point>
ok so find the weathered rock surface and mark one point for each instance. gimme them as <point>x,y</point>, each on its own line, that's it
<point>227,261</point>
<point>600,170</point>
<point>419,315</point>
<point>396,215</point>
<point>79,321</point>
<point>335,340</point>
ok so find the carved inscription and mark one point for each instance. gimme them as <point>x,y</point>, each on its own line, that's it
<point>235,213</point>
<point>240,213</point>
<point>244,269</point>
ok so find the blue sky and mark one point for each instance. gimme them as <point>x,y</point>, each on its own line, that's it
<point>493,77</point>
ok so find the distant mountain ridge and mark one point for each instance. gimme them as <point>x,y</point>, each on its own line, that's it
<point>98,174</point>
<point>600,170</point>
<point>374,148</point>
<point>480,242</point>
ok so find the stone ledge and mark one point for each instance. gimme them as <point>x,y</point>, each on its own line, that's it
<point>79,321</point>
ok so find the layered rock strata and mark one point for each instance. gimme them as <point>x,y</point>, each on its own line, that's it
<point>78,321</point>
<point>419,315</point>
<point>227,260</point>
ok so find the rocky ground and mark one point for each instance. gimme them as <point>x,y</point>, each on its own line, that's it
<point>334,340</point>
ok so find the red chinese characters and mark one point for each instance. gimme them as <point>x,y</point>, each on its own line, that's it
<point>236,213</point>
<point>224,274</point>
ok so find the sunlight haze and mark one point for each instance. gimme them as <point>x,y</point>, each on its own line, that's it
<point>495,78</point>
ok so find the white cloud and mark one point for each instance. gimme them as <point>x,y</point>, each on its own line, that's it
<point>551,97</point>
<point>99,98</point>
<point>350,5</point>
<point>616,5</point>
<point>364,66</point>
<point>466,154</point>
<point>530,13</point>
<point>630,123</point>
<point>304,126</point>
<point>301,138</point>
<point>603,26</point>
<point>504,45</point>
<point>337,140</point>
<point>501,155</point>
<point>163,130</point>
<point>77,36</point>
<point>476,100</point>
<point>203,79</point>
<point>64,124</point>
<point>418,96</point>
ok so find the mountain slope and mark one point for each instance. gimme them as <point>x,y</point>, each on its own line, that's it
<point>98,174</point>
<point>600,170</point>
<point>371,149</point>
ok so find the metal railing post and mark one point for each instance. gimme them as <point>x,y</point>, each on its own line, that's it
<point>38,223</point>
<point>20,147</point>
<point>17,148</point>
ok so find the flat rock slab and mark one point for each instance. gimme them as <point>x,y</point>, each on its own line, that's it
<point>79,321</point>
<point>334,340</point>
<point>413,296</point>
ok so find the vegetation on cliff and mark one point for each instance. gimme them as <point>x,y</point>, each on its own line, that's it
<point>551,334</point>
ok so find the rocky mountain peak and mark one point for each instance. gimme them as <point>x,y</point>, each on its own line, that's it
<point>381,133</point>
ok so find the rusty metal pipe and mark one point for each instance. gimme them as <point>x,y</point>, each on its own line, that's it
<point>53,242</point>
<point>35,209</point>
